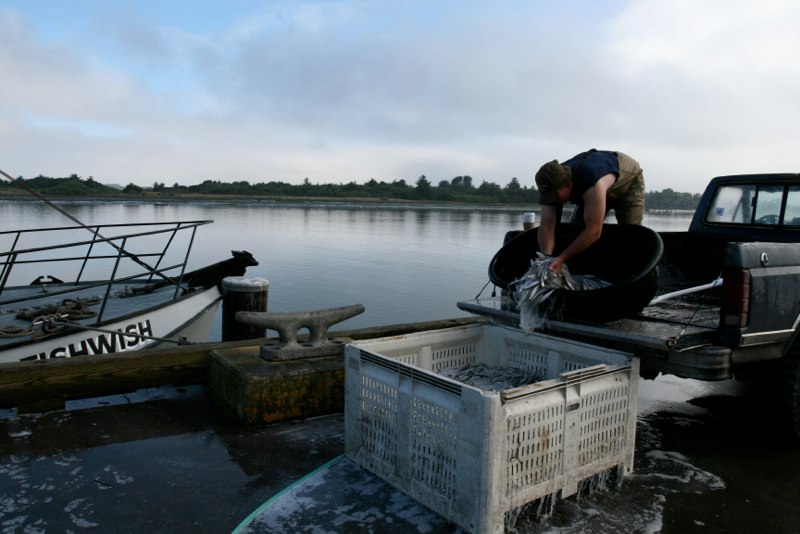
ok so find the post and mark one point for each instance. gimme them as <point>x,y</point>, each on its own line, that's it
<point>240,293</point>
<point>528,220</point>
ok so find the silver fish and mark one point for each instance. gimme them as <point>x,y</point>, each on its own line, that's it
<point>491,378</point>
<point>531,293</point>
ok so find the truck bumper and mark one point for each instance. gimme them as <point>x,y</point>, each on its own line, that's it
<point>693,357</point>
<point>703,363</point>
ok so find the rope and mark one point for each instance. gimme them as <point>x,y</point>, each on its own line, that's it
<point>14,331</point>
<point>697,308</point>
<point>51,322</point>
<point>75,308</point>
<point>481,291</point>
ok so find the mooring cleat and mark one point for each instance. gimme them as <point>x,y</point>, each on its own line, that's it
<point>288,326</point>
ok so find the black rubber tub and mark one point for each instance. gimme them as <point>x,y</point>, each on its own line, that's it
<point>626,255</point>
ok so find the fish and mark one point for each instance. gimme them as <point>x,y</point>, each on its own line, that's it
<point>532,292</point>
<point>491,378</point>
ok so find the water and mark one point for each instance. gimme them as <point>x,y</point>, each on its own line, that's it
<point>707,458</point>
<point>403,263</point>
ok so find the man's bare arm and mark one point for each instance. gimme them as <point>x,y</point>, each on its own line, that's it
<point>594,214</point>
<point>547,228</point>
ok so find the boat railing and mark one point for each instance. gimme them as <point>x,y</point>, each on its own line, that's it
<point>111,254</point>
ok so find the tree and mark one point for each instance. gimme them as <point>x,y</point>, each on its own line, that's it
<point>444,191</point>
<point>423,188</point>
<point>513,186</point>
<point>132,188</point>
<point>490,190</point>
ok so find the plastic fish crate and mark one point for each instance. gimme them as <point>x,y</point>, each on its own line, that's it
<point>471,455</point>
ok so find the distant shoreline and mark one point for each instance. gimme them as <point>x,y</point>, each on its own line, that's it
<point>315,202</point>
<point>282,201</point>
<point>457,194</point>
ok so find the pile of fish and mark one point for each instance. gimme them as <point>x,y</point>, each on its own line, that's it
<point>532,292</point>
<point>491,378</point>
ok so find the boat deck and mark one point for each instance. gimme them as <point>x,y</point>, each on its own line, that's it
<point>36,300</point>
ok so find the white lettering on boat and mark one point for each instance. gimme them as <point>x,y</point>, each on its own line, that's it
<point>128,338</point>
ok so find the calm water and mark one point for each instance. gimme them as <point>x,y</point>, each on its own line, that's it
<point>707,458</point>
<point>404,264</point>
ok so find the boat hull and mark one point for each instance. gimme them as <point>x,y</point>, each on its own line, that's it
<point>625,255</point>
<point>190,316</point>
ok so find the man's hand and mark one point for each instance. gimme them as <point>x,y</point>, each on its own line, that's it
<point>556,265</point>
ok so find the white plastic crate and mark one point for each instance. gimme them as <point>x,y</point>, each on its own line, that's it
<point>471,455</point>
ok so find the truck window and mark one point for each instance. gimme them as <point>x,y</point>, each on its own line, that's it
<point>792,214</point>
<point>768,205</point>
<point>732,204</point>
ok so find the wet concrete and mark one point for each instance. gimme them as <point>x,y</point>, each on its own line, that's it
<point>174,464</point>
<point>708,460</point>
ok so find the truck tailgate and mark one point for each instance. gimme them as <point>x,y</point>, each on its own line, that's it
<point>658,329</point>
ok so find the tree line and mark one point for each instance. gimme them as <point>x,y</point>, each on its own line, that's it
<point>460,189</point>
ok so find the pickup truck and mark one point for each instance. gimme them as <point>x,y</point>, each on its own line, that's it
<point>728,298</point>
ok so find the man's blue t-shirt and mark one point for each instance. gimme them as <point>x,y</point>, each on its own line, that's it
<point>588,168</point>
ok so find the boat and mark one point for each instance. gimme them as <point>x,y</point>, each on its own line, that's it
<point>89,290</point>
<point>625,255</point>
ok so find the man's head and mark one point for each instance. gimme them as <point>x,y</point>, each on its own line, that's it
<point>550,178</point>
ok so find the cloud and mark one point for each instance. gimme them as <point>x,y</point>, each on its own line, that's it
<point>55,80</point>
<point>340,91</point>
<point>712,75</point>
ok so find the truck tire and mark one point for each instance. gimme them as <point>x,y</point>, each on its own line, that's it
<point>788,391</point>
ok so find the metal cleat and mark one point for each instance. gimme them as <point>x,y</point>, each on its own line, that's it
<point>289,324</point>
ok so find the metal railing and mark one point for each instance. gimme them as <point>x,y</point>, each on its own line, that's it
<point>110,243</point>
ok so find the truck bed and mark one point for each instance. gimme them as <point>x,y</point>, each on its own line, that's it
<point>674,325</point>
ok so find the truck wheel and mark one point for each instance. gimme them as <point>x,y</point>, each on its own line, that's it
<point>788,391</point>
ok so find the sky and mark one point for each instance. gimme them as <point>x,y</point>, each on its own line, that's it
<point>333,91</point>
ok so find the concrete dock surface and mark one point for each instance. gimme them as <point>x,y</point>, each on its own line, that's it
<point>171,464</point>
<point>168,460</point>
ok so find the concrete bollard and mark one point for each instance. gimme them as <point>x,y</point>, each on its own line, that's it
<point>241,293</point>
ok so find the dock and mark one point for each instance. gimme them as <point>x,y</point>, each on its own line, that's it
<point>143,454</point>
<point>137,442</point>
<point>40,386</point>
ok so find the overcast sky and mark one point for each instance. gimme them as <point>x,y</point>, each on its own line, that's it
<point>337,91</point>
